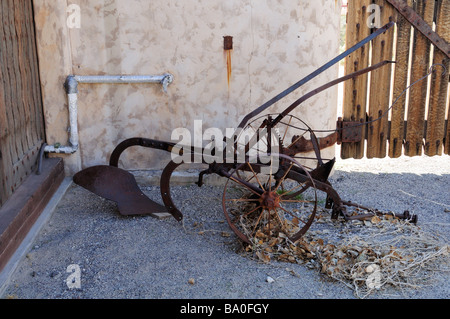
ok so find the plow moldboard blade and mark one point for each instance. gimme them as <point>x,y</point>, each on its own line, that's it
<point>120,186</point>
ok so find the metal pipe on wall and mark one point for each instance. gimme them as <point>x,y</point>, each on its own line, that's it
<point>71,87</point>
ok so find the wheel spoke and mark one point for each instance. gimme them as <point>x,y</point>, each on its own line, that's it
<point>284,176</point>
<point>287,128</point>
<point>242,184</point>
<point>241,200</point>
<point>296,140</point>
<point>256,176</point>
<point>296,201</point>
<point>256,149</point>
<point>289,192</point>
<point>256,132</point>
<point>285,210</point>
<point>270,176</point>
<point>279,218</point>
<point>248,213</point>
<point>257,222</point>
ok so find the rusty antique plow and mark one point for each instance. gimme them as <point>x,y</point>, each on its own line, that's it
<point>265,191</point>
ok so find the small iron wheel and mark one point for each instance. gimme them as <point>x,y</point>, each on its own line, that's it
<point>264,200</point>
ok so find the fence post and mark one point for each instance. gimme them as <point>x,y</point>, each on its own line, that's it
<point>355,90</point>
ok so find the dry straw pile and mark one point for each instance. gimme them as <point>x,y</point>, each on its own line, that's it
<point>367,256</point>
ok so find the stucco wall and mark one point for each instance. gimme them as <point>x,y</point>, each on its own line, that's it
<point>276,43</point>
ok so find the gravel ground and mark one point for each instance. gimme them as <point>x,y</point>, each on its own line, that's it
<point>143,257</point>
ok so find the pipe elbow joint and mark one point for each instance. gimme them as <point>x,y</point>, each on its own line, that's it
<point>71,85</point>
<point>167,79</point>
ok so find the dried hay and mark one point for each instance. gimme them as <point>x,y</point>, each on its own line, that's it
<point>366,256</point>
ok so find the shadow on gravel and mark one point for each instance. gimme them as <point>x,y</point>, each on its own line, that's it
<point>142,257</point>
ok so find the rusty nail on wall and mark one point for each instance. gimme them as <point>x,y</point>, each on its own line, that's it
<point>228,43</point>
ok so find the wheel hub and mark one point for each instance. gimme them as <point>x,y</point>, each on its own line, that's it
<point>270,200</point>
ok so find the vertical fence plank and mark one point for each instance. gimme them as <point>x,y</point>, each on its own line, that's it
<point>4,151</point>
<point>400,83</point>
<point>19,115</point>
<point>17,15</point>
<point>439,86</point>
<point>355,90</point>
<point>380,85</point>
<point>9,78</point>
<point>24,76</point>
<point>37,118</point>
<point>420,66</point>
<point>7,146</point>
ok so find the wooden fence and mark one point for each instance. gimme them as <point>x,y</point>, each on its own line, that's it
<point>21,118</point>
<point>418,122</point>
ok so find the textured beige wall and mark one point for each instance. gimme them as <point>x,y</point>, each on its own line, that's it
<point>276,43</point>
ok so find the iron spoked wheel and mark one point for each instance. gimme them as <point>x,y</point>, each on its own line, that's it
<point>264,200</point>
